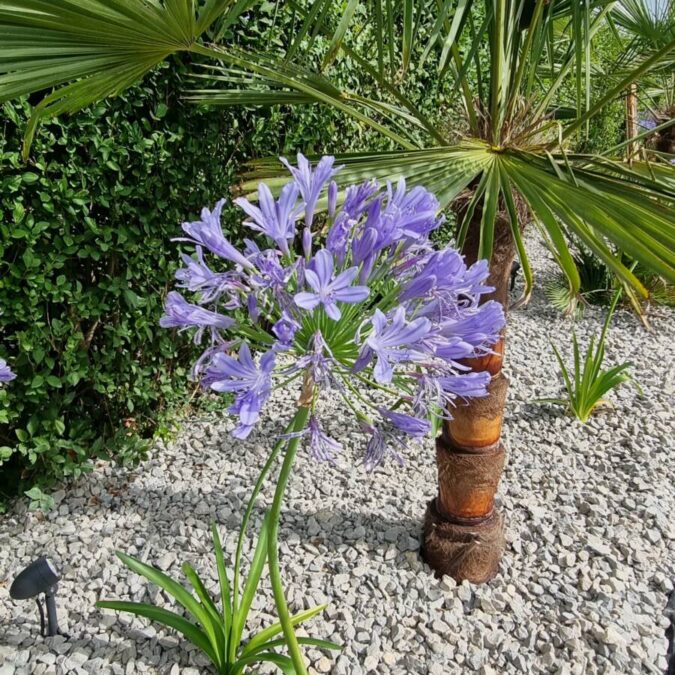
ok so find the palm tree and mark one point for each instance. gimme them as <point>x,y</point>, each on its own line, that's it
<point>508,163</point>
<point>643,27</point>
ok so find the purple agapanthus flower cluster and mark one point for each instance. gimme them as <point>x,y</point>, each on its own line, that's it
<point>344,298</point>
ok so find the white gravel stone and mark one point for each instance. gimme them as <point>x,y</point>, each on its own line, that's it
<point>582,588</point>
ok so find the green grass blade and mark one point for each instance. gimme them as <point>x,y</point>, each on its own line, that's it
<point>225,593</point>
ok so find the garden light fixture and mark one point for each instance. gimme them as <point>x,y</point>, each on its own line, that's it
<point>39,577</point>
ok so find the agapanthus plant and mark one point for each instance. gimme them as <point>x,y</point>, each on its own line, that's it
<point>352,298</point>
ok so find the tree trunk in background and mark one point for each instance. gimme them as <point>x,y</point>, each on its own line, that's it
<point>463,532</point>
<point>632,122</point>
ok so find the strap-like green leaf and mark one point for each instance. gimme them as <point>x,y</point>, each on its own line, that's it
<point>340,33</point>
<point>218,620</point>
<point>251,585</point>
<point>181,595</point>
<point>268,633</point>
<point>166,618</point>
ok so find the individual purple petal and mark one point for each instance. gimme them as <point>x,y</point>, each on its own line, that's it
<point>332,198</point>
<point>252,307</point>
<point>352,294</point>
<point>307,300</point>
<point>323,266</point>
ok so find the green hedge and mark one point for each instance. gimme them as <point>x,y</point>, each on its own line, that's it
<point>86,258</point>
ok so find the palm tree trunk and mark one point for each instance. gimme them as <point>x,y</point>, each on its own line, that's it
<point>631,122</point>
<point>463,532</point>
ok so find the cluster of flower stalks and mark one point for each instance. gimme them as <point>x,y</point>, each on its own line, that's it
<point>336,291</point>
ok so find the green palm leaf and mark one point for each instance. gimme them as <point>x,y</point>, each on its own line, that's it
<point>91,49</point>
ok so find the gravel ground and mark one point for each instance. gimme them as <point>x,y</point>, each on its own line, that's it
<point>584,582</point>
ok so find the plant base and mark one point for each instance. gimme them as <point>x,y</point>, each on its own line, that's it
<point>469,551</point>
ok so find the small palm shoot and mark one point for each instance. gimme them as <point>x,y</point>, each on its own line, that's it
<point>589,384</point>
<point>218,634</point>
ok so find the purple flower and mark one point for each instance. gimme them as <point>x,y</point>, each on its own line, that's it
<point>328,290</point>
<point>6,374</point>
<point>443,276</point>
<point>417,312</point>
<point>413,426</point>
<point>209,233</point>
<point>320,363</point>
<point>197,277</point>
<point>275,219</point>
<point>478,326</point>
<point>179,313</point>
<point>354,206</point>
<point>393,343</point>
<point>466,386</point>
<point>321,446</point>
<point>251,383</point>
<point>411,214</point>
<point>285,329</point>
<point>311,183</point>
<point>379,445</point>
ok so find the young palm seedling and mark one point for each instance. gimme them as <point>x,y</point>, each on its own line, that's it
<point>587,386</point>
<point>218,634</point>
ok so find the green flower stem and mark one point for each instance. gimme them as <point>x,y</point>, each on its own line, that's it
<point>247,516</point>
<point>356,393</point>
<point>300,420</point>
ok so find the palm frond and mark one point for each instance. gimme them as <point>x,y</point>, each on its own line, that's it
<point>91,49</point>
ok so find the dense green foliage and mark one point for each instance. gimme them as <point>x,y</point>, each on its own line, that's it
<point>86,258</point>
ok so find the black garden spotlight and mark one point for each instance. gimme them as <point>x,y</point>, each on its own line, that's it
<point>39,577</point>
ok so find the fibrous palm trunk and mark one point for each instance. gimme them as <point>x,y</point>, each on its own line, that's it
<point>463,532</point>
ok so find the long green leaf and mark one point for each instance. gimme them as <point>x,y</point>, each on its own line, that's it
<point>251,585</point>
<point>340,33</point>
<point>180,594</point>
<point>166,618</point>
<point>268,633</point>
